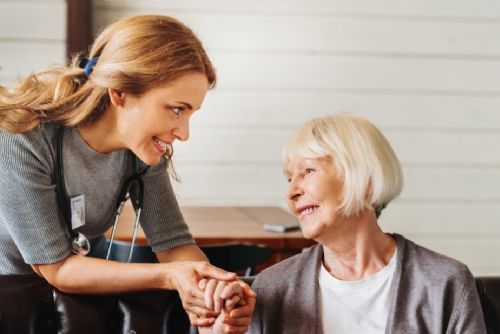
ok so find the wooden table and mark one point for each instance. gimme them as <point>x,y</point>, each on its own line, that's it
<point>216,225</point>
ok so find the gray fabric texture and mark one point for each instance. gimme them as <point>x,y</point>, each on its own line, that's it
<point>431,293</point>
<point>32,230</point>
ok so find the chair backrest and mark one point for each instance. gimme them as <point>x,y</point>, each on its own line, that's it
<point>140,254</point>
<point>489,294</point>
<point>236,257</point>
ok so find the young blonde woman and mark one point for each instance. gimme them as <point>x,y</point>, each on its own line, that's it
<point>342,173</point>
<point>133,96</point>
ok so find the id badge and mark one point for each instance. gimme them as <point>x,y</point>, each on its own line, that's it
<point>77,211</point>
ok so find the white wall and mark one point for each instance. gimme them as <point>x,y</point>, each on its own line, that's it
<point>426,72</point>
<point>32,37</point>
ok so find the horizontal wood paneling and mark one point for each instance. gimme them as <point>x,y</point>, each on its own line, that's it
<point>430,219</point>
<point>8,82</point>
<point>266,182</point>
<point>331,34</point>
<point>478,253</point>
<point>310,72</point>
<point>32,37</point>
<point>488,9</point>
<point>426,72</point>
<point>33,20</point>
<point>278,109</point>
<point>21,59</point>
<point>224,144</point>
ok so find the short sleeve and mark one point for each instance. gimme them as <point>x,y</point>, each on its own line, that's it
<point>28,207</point>
<point>162,219</point>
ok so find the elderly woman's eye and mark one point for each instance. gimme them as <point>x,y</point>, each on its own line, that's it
<point>309,170</point>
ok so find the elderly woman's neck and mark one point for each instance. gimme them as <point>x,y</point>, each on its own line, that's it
<point>358,249</point>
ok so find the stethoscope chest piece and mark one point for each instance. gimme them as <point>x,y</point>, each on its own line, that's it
<point>80,244</point>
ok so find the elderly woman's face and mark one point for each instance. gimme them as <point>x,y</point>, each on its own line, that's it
<point>313,195</point>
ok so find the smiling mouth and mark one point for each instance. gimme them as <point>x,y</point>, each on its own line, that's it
<point>305,211</point>
<point>160,145</point>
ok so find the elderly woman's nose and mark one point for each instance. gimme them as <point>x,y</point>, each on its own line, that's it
<point>294,190</point>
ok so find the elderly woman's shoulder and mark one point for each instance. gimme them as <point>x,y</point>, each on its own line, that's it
<point>434,266</point>
<point>293,269</point>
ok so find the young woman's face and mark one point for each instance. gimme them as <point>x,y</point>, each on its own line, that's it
<point>160,116</point>
<point>313,195</point>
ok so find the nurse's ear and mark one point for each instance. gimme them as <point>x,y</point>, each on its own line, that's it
<point>116,97</point>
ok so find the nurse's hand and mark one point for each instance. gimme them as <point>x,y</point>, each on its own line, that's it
<point>184,276</point>
<point>234,300</point>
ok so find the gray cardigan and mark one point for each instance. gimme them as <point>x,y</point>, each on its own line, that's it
<point>431,294</point>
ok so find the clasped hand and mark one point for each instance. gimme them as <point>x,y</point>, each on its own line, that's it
<point>215,300</point>
<point>232,304</point>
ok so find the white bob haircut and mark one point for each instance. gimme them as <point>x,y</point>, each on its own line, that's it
<point>365,162</point>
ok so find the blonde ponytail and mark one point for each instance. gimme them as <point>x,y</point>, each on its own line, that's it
<point>134,53</point>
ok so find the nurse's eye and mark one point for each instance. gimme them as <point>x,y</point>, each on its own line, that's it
<point>177,110</point>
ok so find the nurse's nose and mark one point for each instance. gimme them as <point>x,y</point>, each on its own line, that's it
<point>182,131</point>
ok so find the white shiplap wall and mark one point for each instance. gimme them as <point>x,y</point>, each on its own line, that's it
<point>32,37</point>
<point>426,72</point>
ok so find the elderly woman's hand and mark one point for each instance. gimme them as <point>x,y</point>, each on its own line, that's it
<point>234,300</point>
<point>184,276</point>
<point>221,295</point>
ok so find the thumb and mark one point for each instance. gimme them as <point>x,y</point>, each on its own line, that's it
<point>247,290</point>
<point>207,270</point>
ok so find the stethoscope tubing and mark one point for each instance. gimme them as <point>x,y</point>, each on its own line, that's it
<point>79,243</point>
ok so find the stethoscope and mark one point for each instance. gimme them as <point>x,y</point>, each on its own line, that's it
<point>79,242</point>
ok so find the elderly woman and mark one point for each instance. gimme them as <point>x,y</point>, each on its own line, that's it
<point>342,173</point>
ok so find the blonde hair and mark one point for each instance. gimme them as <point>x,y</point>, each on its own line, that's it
<point>365,161</point>
<point>134,54</point>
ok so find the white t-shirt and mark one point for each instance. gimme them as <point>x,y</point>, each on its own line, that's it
<point>352,307</point>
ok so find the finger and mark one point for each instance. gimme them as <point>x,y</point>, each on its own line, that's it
<point>247,290</point>
<point>200,322</point>
<point>231,303</point>
<point>201,312</point>
<point>217,296</point>
<point>202,284</point>
<point>203,322</point>
<point>191,290</point>
<point>205,269</point>
<point>243,311</point>
<point>233,288</point>
<point>229,329</point>
<point>192,295</point>
<point>237,321</point>
<point>209,293</point>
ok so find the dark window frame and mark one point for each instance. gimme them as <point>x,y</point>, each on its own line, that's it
<point>78,26</point>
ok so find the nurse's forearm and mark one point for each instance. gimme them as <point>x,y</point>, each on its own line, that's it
<point>90,275</point>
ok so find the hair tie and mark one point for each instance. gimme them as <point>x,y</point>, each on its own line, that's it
<point>88,65</point>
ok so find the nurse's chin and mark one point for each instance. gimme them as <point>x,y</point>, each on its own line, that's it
<point>149,159</point>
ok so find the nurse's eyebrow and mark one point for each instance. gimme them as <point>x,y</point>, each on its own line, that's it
<point>187,105</point>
